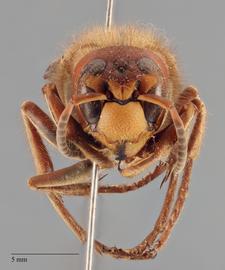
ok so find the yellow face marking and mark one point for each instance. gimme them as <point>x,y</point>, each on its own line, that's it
<point>96,83</point>
<point>147,82</point>
<point>123,91</point>
<point>122,123</point>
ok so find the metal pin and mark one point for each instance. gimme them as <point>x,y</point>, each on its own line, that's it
<point>92,214</point>
<point>94,179</point>
<point>109,10</point>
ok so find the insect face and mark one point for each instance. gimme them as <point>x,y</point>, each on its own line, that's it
<point>107,83</point>
<point>108,95</point>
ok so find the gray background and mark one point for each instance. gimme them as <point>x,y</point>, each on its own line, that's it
<point>32,34</point>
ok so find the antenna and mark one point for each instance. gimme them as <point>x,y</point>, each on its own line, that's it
<point>94,179</point>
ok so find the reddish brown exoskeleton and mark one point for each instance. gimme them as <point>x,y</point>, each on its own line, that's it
<point>116,98</point>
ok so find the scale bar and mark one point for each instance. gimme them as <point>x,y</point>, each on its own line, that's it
<point>48,254</point>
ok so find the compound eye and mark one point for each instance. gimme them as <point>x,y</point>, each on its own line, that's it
<point>147,65</point>
<point>95,67</point>
<point>153,112</point>
<point>91,110</point>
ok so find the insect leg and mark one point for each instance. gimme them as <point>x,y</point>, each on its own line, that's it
<point>84,188</point>
<point>182,194</point>
<point>66,177</point>
<point>37,123</point>
<point>136,252</point>
<point>193,149</point>
<point>198,129</point>
<point>187,95</point>
<point>147,250</point>
<point>53,101</point>
<point>35,119</point>
<point>57,203</point>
